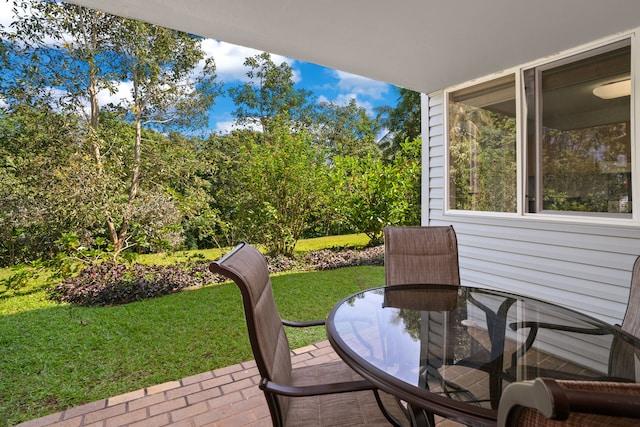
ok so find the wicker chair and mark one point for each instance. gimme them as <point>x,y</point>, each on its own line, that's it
<point>547,402</point>
<point>329,394</point>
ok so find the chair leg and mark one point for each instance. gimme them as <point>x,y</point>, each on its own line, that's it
<point>420,417</point>
<point>388,415</point>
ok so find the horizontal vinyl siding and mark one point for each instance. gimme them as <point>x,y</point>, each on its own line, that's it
<point>578,265</point>
<point>433,157</point>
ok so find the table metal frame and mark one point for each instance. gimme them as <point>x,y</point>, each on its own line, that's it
<point>422,402</point>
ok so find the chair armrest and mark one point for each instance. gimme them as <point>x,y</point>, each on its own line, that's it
<point>542,325</point>
<point>532,394</point>
<point>314,390</point>
<point>557,399</point>
<point>534,327</point>
<point>303,324</point>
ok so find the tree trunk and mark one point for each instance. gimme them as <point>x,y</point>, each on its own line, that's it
<point>133,189</point>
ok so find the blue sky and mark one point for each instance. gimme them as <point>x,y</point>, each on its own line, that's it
<point>327,84</point>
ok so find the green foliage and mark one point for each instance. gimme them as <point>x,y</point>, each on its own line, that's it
<point>372,194</point>
<point>403,122</point>
<point>162,62</point>
<point>51,189</point>
<point>346,130</point>
<point>54,53</point>
<point>582,171</point>
<point>73,54</point>
<point>35,150</point>
<point>122,180</point>
<point>73,257</point>
<point>482,166</point>
<point>281,184</point>
<point>70,258</point>
<point>269,94</point>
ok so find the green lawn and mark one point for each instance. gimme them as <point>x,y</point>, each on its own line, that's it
<point>351,240</point>
<point>54,356</point>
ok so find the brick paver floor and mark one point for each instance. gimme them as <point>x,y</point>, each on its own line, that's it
<point>226,397</point>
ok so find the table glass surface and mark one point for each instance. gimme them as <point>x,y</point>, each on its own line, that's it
<point>465,344</point>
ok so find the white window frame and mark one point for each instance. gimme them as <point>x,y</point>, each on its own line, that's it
<point>521,161</point>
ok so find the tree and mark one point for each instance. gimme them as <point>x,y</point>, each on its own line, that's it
<point>281,185</point>
<point>228,153</point>
<point>269,95</point>
<point>346,130</point>
<point>160,63</point>
<point>402,122</point>
<point>482,152</point>
<point>32,213</point>
<point>371,193</point>
<point>74,53</point>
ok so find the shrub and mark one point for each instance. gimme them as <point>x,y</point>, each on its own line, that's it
<point>326,259</point>
<point>109,284</point>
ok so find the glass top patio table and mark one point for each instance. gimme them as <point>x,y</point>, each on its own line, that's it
<point>450,350</point>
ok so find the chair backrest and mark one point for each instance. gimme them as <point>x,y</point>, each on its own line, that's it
<point>622,356</point>
<point>547,402</point>
<point>247,267</point>
<point>421,255</point>
<point>631,321</point>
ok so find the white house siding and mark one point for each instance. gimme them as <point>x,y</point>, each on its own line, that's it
<point>583,266</point>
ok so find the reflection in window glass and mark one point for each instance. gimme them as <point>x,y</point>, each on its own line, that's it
<point>482,147</point>
<point>582,127</point>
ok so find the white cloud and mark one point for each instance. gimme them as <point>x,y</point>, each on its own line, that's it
<point>6,15</point>
<point>123,92</point>
<point>344,99</point>
<point>360,89</point>
<point>359,85</point>
<point>230,58</point>
<point>226,126</point>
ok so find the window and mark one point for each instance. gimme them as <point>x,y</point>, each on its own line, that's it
<point>576,138</point>
<point>482,147</point>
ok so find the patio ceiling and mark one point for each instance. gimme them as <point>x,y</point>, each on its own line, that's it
<point>424,45</point>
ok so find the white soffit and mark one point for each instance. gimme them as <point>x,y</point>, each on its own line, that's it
<point>424,45</point>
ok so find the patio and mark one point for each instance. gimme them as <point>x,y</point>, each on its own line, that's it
<point>229,397</point>
<point>225,397</point>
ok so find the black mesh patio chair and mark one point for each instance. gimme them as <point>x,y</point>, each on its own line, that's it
<point>328,394</point>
